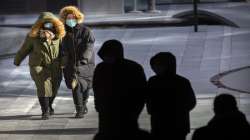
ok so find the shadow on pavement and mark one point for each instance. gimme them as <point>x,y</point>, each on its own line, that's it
<point>66,131</point>
<point>29,117</point>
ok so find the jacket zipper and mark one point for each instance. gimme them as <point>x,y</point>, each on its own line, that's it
<point>73,42</point>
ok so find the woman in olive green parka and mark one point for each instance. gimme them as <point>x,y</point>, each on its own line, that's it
<point>42,44</point>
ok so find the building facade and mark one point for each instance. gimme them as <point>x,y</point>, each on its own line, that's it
<point>88,6</point>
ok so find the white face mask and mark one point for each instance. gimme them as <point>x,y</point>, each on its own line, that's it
<point>71,22</point>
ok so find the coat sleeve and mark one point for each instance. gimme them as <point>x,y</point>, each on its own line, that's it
<point>190,96</point>
<point>25,49</point>
<point>200,134</point>
<point>96,88</point>
<point>64,55</point>
<point>89,44</point>
<point>139,92</point>
<point>148,101</point>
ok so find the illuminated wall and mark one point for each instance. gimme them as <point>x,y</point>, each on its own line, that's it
<point>33,6</point>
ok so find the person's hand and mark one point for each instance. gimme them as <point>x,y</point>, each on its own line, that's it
<point>74,84</point>
<point>16,64</point>
<point>47,34</point>
<point>41,34</point>
<point>62,66</point>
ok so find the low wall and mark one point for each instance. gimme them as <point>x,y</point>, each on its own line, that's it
<point>99,7</point>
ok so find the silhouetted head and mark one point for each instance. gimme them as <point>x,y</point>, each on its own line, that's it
<point>111,51</point>
<point>163,63</point>
<point>224,104</point>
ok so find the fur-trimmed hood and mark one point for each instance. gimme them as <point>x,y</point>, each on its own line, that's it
<point>71,10</point>
<point>48,17</point>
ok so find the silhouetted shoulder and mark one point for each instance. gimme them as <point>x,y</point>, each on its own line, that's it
<point>99,70</point>
<point>132,63</point>
<point>179,77</point>
<point>153,78</point>
<point>100,65</point>
<point>200,134</point>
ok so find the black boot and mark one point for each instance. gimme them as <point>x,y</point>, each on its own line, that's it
<point>85,108</point>
<point>45,115</point>
<point>44,102</point>
<point>79,112</point>
<point>51,110</point>
<point>85,101</point>
<point>78,98</point>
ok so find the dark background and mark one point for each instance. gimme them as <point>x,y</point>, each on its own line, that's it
<point>33,6</point>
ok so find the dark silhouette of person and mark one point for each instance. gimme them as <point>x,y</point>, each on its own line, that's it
<point>119,94</point>
<point>170,99</point>
<point>228,122</point>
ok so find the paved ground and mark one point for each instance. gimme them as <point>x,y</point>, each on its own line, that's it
<point>200,56</point>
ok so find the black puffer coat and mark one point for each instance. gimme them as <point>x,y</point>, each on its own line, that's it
<point>78,51</point>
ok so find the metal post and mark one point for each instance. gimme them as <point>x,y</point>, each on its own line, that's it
<point>135,8</point>
<point>152,6</point>
<point>196,22</point>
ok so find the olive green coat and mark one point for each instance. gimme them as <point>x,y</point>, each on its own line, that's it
<point>44,58</point>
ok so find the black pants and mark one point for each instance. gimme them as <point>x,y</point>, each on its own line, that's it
<point>80,96</point>
<point>44,103</point>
